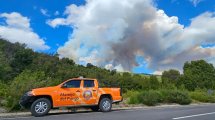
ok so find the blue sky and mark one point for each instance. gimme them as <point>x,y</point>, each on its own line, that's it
<point>32,9</point>
<point>39,11</point>
<point>184,9</point>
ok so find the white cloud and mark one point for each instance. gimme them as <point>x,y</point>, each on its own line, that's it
<point>91,58</point>
<point>17,29</point>
<point>44,12</point>
<point>73,13</point>
<point>196,2</point>
<point>15,20</point>
<point>118,67</point>
<point>122,30</point>
<point>54,23</point>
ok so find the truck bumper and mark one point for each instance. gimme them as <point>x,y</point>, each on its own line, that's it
<point>118,101</point>
<point>26,101</point>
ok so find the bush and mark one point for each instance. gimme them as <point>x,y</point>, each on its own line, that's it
<point>3,90</point>
<point>176,96</point>
<point>3,93</point>
<point>150,98</point>
<point>133,97</point>
<point>154,83</point>
<point>153,97</point>
<point>202,96</point>
<point>26,81</point>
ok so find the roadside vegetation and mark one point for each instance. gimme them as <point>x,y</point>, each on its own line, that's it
<point>22,69</point>
<point>155,97</point>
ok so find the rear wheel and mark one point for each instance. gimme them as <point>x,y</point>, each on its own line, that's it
<point>40,107</point>
<point>105,105</point>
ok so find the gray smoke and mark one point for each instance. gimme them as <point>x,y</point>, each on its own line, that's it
<point>111,33</point>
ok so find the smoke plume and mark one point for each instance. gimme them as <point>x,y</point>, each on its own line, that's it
<point>112,33</point>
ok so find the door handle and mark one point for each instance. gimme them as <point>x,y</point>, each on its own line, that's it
<point>78,91</point>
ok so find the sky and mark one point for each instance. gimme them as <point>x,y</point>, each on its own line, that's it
<point>140,36</point>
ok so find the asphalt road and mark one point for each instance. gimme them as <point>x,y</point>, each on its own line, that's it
<point>202,112</point>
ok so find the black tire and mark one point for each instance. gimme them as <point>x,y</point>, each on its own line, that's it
<point>105,105</point>
<point>43,110</point>
<point>95,108</point>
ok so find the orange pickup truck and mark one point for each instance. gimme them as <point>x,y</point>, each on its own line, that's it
<point>76,92</point>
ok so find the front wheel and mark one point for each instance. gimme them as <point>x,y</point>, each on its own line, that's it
<point>105,105</point>
<point>40,107</point>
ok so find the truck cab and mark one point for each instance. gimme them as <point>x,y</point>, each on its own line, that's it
<point>76,92</point>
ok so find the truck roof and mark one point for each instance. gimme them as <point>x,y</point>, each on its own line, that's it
<point>82,78</point>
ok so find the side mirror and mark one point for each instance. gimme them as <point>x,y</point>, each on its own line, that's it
<point>64,86</point>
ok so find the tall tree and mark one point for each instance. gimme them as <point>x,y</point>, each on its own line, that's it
<point>199,74</point>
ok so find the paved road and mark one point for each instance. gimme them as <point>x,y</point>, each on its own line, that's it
<point>203,112</point>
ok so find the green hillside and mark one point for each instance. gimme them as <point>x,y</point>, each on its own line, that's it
<point>22,69</point>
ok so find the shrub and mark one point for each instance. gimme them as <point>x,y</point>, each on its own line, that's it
<point>150,98</point>
<point>133,97</point>
<point>3,90</point>
<point>202,96</point>
<point>26,81</point>
<point>3,93</point>
<point>169,86</point>
<point>153,97</point>
<point>176,96</point>
<point>154,83</point>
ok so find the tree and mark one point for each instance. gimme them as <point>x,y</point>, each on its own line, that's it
<point>126,81</point>
<point>24,82</point>
<point>90,65</point>
<point>170,77</point>
<point>22,59</point>
<point>154,83</point>
<point>4,66</point>
<point>198,74</point>
<point>151,82</point>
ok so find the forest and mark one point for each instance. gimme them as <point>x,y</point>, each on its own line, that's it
<point>22,69</point>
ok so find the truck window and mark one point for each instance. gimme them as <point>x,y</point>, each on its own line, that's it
<point>73,84</point>
<point>89,83</point>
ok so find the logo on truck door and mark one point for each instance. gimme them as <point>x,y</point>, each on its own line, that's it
<point>87,94</point>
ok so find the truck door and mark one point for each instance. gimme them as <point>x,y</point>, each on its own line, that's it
<point>69,93</point>
<point>88,93</point>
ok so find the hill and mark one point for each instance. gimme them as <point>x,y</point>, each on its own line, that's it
<point>22,69</point>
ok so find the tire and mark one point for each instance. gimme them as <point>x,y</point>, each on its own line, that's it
<point>105,105</point>
<point>38,111</point>
<point>95,108</point>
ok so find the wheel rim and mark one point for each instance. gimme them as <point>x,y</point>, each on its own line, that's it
<point>41,107</point>
<point>106,105</point>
